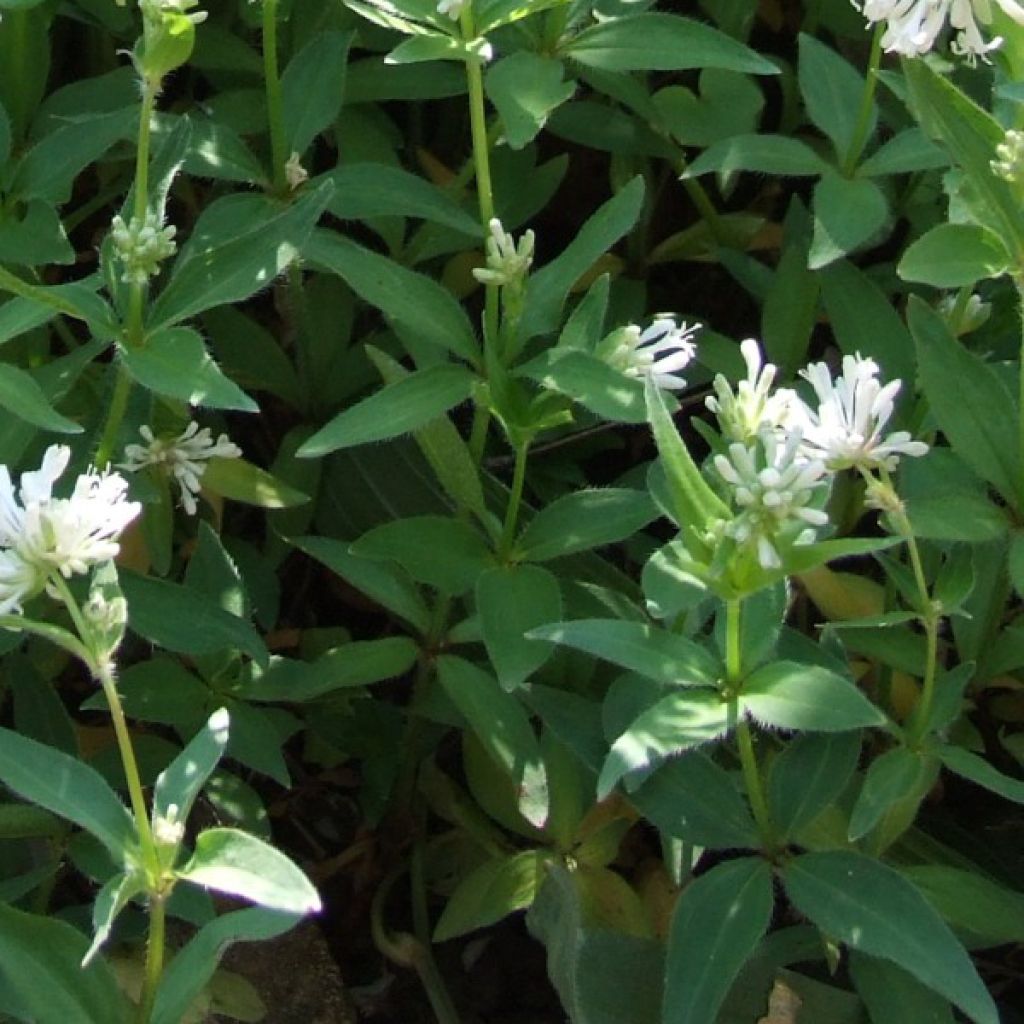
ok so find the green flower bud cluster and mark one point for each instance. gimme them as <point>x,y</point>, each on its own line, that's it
<point>168,36</point>
<point>1009,162</point>
<point>142,245</point>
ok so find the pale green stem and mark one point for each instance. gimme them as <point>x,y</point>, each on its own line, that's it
<point>478,433</point>
<point>1020,393</point>
<point>863,123</point>
<point>155,944</point>
<point>115,416</point>
<point>515,499</point>
<point>744,741</point>
<point>275,99</point>
<point>134,333</point>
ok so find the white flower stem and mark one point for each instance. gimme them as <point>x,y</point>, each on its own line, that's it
<point>863,123</point>
<point>275,99</point>
<point>115,415</point>
<point>744,741</point>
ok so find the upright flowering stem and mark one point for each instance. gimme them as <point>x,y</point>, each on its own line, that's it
<point>515,499</point>
<point>275,101</point>
<point>150,89</point>
<point>744,741</point>
<point>155,945</point>
<point>481,162</point>
<point>863,123</point>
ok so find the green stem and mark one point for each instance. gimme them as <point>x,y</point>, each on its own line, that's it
<point>1020,387</point>
<point>154,954</point>
<point>744,740</point>
<point>115,417</point>
<point>863,123</point>
<point>134,332</point>
<point>430,975</point>
<point>481,166</point>
<point>703,204</point>
<point>515,499</point>
<point>478,434</point>
<point>275,99</point>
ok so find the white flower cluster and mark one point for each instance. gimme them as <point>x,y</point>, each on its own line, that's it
<point>1009,161</point>
<point>912,26</point>
<point>142,245</point>
<point>507,262</point>
<point>41,535</point>
<point>783,450</point>
<point>183,458</point>
<point>661,351</point>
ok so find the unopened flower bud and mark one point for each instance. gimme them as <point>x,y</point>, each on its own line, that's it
<point>141,246</point>
<point>1009,162</point>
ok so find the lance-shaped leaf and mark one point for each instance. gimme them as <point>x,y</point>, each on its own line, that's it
<point>239,864</point>
<point>894,776</point>
<point>64,785</point>
<point>22,396</point>
<point>872,909</point>
<point>655,653</point>
<point>398,408</point>
<point>583,520</point>
<point>42,960</point>
<point>662,42</point>
<point>418,303</point>
<point>112,898</point>
<point>718,922</point>
<point>312,88</point>
<point>978,416</point>
<point>502,725</point>
<point>183,779</point>
<point>678,722</point>
<point>977,770</point>
<point>694,503</point>
<point>790,695</point>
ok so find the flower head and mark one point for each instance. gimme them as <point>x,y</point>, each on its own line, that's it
<point>41,534</point>
<point>772,485</point>
<point>752,407</point>
<point>183,458</point>
<point>507,262</point>
<point>661,350</point>
<point>1009,162</point>
<point>912,26</point>
<point>141,246</point>
<point>846,430</point>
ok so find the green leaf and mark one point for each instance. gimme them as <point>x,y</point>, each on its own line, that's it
<point>870,908</point>
<point>970,902</point>
<point>241,481</point>
<point>678,722</point>
<point>49,168</point>
<point>42,963</point>
<point>525,88</point>
<point>891,994</point>
<point>492,891</point>
<point>971,135</point>
<point>349,666</point>
<point>443,447</point>
<point>511,601</point>
<point>977,770</point>
<point>895,775</point>
<point>417,303</point>
<point>808,776</point>
<point>185,620</point>
<point>832,91</point>
<point>312,88</point>
<point>189,972</point>
<point>181,782</point>
<point>766,154</point>
<point>239,864</point>
<point>716,926</point>
<point>397,409</point>
<point>848,212</point>
<point>112,898</point>
<point>602,976</point>
<point>22,396</point>
<point>547,288</point>
<point>694,799</point>
<point>583,520</point>
<point>790,695</point>
<point>590,381</point>
<point>64,785</point>
<point>363,191</point>
<point>222,268</point>
<point>662,42</point>
<point>502,725</point>
<point>383,582</point>
<point>174,362</point>
<point>954,255</point>
<point>978,416</point>
<point>655,653</point>
<point>445,553</point>
<point>694,503</point>
<point>908,151</point>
